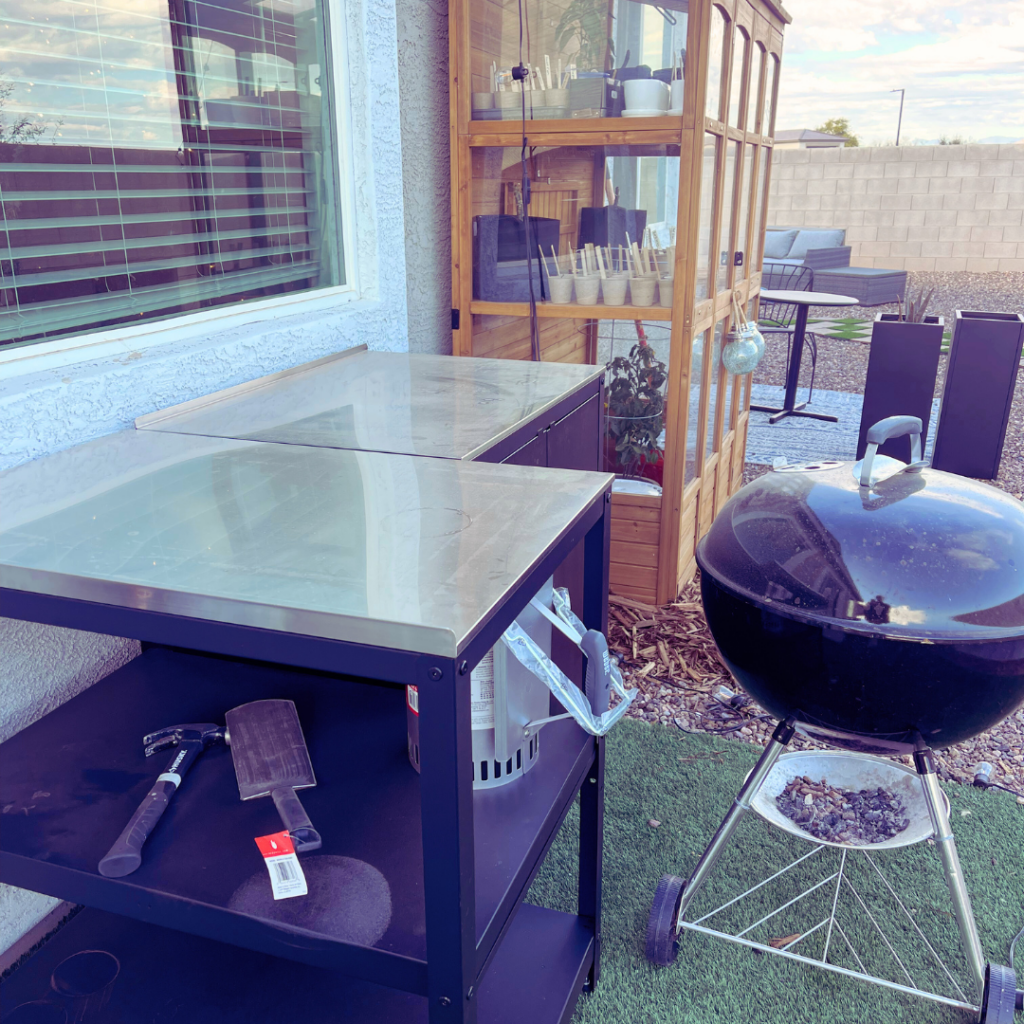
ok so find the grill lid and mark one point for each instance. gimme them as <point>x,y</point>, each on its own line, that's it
<point>920,554</point>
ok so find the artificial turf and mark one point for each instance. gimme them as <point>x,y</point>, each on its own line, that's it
<point>687,782</point>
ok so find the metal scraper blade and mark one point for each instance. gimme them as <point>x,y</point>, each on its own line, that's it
<point>268,748</point>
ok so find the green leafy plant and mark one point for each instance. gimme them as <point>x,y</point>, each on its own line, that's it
<point>589,22</point>
<point>916,308</point>
<point>839,126</point>
<point>636,409</point>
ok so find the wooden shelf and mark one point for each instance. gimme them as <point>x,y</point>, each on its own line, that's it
<point>705,171</point>
<point>579,131</point>
<point>572,311</point>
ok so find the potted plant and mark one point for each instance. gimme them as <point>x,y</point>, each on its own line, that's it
<point>636,414</point>
<point>984,356</point>
<point>902,367</point>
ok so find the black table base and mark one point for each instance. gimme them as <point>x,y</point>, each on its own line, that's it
<point>797,410</point>
<point>789,403</point>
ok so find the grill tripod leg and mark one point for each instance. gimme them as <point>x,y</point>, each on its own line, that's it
<point>951,867</point>
<point>780,738</point>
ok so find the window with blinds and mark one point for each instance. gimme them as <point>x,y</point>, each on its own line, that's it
<point>159,157</point>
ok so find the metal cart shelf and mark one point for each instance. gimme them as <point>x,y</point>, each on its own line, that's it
<point>75,551</point>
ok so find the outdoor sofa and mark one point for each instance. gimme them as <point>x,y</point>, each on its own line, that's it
<point>823,252</point>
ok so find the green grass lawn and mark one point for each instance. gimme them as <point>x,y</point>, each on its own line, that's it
<point>687,782</point>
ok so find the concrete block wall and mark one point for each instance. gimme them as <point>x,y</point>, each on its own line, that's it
<point>943,208</point>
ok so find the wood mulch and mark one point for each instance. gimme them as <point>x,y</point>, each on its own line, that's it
<point>668,653</point>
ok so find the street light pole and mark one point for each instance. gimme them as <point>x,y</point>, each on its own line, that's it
<point>899,123</point>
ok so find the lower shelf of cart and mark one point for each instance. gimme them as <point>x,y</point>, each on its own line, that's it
<point>71,781</point>
<point>163,976</point>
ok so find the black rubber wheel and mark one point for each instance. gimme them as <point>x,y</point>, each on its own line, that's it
<point>661,925</point>
<point>1000,995</point>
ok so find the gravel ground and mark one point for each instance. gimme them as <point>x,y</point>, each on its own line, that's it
<point>669,653</point>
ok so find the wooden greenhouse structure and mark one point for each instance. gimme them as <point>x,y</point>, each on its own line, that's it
<point>691,182</point>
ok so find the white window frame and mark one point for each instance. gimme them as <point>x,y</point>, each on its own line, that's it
<point>17,359</point>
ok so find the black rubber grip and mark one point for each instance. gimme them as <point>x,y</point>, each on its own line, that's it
<point>597,684</point>
<point>296,820</point>
<point>126,854</point>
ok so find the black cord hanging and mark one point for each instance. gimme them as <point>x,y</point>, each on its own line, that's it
<point>519,74</point>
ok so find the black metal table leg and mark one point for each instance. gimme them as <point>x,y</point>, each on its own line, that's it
<point>446,798</point>
<point>789,403</point>
<point>597,547</point>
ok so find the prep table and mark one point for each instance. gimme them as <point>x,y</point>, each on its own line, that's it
<point>487,410</point>
<point>335,574</point>
<point>490,410</point>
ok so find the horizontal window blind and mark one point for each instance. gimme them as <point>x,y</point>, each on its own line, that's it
<point>160,157</point>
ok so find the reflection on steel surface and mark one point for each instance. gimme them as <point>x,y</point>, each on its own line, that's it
<point>379,549</point>
<point>384,402</point>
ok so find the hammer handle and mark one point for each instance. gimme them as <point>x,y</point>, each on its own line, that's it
<point>126,853</point>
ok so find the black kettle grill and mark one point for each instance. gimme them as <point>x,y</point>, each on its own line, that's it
<point>877,607</point>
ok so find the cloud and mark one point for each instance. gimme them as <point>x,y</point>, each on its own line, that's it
<point>961,63</point>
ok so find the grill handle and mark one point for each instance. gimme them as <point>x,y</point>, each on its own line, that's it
<point>884,430</point>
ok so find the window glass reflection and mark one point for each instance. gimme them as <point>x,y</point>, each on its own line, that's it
<point>601,228</point>
<point>758,243</point>
<point>740,46</point>
<point>743,223</point>
<point>754,88</point>
<point>715,384</point>
<point>161,156</point>
<point>705,265</point>
<point>693,418</point>
<point>768,125</point>
<point>716,64</point>
<point>725,256</point>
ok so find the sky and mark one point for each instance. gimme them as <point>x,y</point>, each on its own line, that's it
<point>961,63</point>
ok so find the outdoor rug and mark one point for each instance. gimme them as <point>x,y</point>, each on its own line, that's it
<point>666,793</point>
<point>799,439</point>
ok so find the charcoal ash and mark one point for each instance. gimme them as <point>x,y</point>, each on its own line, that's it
<point>842,815</point>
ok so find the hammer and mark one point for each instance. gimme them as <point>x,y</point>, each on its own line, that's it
<point>191,740</point>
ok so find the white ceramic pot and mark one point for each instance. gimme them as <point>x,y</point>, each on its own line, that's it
<point>556,97</point>
<point>665,291</point>
<point>510,100</point>
<point>560,289</point>
<point>613,290</point>
<point>641,290</point>
<point>483,100</point>
<point>646,94</point>
<point>587,287</point>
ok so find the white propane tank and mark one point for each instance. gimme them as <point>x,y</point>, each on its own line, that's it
<point>505,698</point>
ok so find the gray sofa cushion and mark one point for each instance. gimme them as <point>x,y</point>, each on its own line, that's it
<point>820,239</point>
<point>778,243</point>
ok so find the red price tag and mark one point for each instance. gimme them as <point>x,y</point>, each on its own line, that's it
<point>277,845</point>
<point>286,875</point>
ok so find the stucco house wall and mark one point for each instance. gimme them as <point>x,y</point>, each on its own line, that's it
<point>948,208</point>
<point>68,396</point>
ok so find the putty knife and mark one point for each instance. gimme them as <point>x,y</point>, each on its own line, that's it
<point>270,756</point>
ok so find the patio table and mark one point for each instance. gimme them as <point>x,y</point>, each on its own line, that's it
<point>802,300</point>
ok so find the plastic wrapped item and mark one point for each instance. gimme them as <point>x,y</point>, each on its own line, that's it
<point>575,702</point>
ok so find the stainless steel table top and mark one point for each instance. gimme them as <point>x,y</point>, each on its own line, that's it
<point>388,550</point>
<point>399,402</point>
